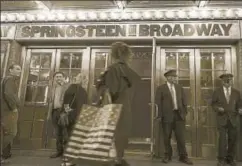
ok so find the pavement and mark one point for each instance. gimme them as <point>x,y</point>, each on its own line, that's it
<point>29,158</point>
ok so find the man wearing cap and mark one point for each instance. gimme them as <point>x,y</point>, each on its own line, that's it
<point>172,106</point>
<point>226,103</point>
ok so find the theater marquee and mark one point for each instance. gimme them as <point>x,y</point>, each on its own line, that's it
<point>164,30</point>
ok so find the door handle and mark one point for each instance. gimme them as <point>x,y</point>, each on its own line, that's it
<point>156,109</point>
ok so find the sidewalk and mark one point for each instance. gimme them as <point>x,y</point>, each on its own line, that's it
<point>29,158</point>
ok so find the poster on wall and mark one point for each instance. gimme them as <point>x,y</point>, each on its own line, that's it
<point>8,31</point>
<point>162,30</point>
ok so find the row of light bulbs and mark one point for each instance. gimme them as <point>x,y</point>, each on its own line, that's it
<point>123,15</point>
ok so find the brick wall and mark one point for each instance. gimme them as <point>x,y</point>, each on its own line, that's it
<point>239,79</point>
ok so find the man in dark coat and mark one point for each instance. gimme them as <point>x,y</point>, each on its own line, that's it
<point>226,102</point>
<point>172,106</point>
<point>10,104</point>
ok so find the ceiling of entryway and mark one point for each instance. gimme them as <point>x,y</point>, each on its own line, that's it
<point>131,4</point>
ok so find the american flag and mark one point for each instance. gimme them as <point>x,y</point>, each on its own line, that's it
<point>92,135</point>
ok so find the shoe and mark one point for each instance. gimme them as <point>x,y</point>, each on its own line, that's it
<point>186,161</point>
<point>221,163</point>
<point>67,164</point>
<point>56,155</point>
<point>231,163</point>
<point>123,163</point>
<point>167,159</point>
<point>3,162</point>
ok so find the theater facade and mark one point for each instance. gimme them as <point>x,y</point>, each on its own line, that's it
<point>199,44</point>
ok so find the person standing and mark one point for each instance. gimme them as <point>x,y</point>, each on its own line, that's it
<point>10,104</point>
<point>58,92</point>
<point>74,98</point>
<point>120,80</point>
<point>226,102</point>
<point>172,106</point>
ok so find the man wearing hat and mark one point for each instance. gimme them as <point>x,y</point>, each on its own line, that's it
<point>172,106</point>
<point>226,102</point>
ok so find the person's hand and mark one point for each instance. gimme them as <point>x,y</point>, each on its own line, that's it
<point>220,109</point>
<point>158,119</point>
<point>240,111</point>
<point>15,110</point>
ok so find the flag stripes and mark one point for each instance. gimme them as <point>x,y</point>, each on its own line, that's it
<point>92,135</point>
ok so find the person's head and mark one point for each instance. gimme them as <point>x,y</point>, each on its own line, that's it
<point>227,80</point>
<point>79,78</point>
<point>121,52</point>
<point>15,70</point>
<point>59,77</point>
<point>171,76</point>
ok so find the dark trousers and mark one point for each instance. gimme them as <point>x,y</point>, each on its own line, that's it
<point>227,148</point>
<point>62,133</point>
<point>178,125</point>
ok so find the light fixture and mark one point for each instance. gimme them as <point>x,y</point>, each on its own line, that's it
<point>200,3</point>
<point>103,15</point>
<point>121,4</point>
<point>41,5</point>
<point>170,14</point>
<point>48,16</point>
<point>181,14</point>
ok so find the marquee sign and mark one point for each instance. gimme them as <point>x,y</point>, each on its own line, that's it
<point>7,31</point>
<point>164,30</point>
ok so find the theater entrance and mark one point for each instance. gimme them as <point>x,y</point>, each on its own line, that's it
<point>198,72</point>
<point>35,132</point>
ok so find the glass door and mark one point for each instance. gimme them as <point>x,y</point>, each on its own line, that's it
<point>40,64</point>
<point>210,64</point>
<point>182,60</point>
<point>141,63</point>
<point>198,72</point>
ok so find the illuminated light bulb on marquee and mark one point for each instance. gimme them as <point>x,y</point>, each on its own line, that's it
<point>30,17</point>
<point>147,14</point>
<point>136,15</point>
<point>204,13</point>
<point>125,15</point>
<point>170,14</point>
<point>81,16</point>
<point>71,16</point>
<point>229,13</point>
<point>51,16</point>
<point>193,14</point>
<point>21,17</point>
<point>114,15</point>
<point>92,15</point>
<point>11,17</point>
<point>216,13</point>
<point>103,15</point>
<point>3,17</point>
<point>181,14</point>
<point>239,12</point>
<point>158,14</point>
<point>41,17</point>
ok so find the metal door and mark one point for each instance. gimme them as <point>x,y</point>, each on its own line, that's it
<point>198,71</point>
<point>37,81</point>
